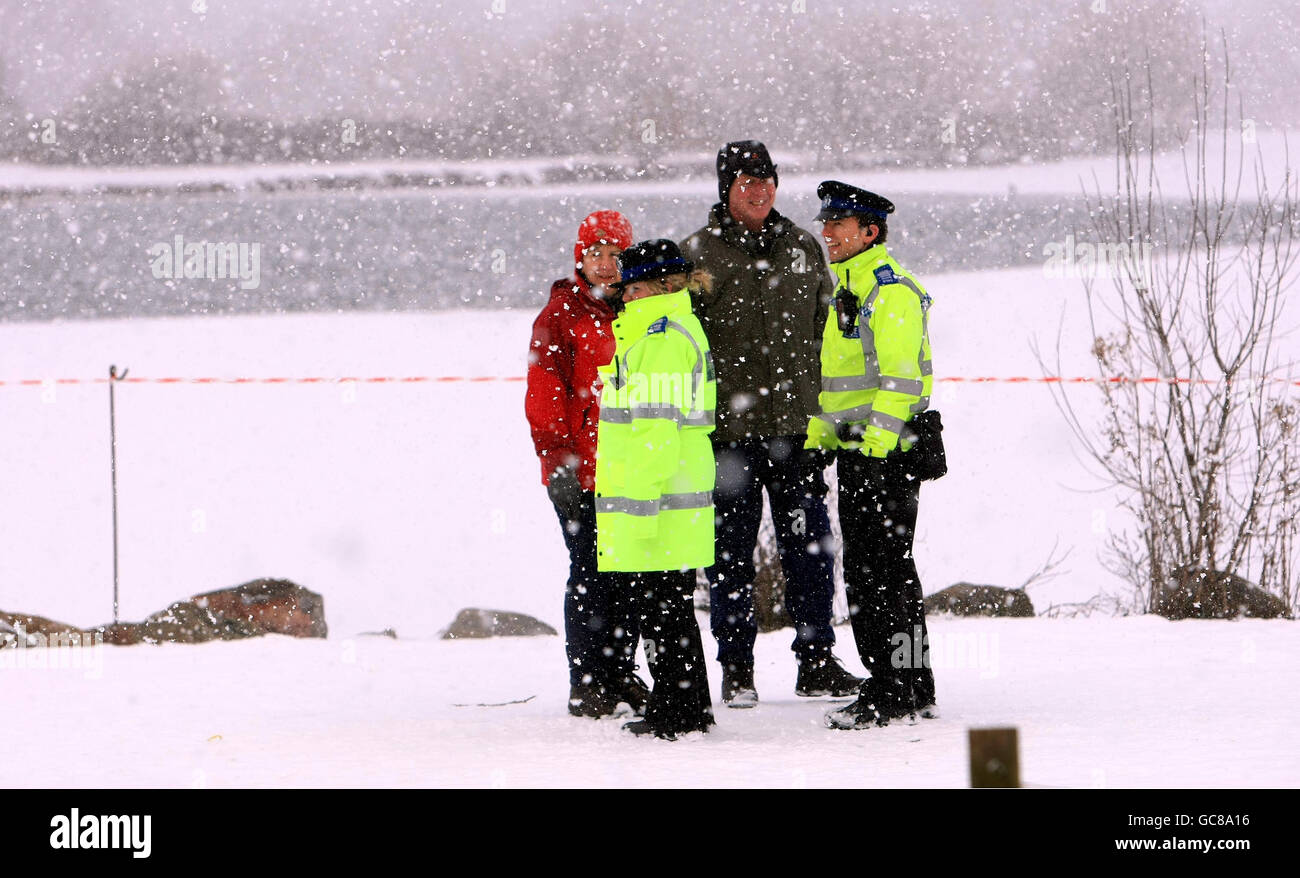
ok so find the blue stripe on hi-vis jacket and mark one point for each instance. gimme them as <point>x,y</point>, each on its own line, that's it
<point>885,275</point>
<point>660,325</point>
<point>709,374</point>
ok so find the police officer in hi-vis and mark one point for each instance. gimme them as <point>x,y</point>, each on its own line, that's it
<point>876,380</point>
<point>654,476</point>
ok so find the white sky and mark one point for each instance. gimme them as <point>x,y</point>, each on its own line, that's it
<point>316,56</point>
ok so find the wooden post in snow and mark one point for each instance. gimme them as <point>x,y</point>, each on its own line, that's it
<point>994,758</point>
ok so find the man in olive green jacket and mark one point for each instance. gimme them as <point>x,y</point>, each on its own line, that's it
<point>764,317</point>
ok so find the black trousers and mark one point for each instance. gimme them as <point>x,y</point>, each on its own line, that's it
<point>798,499</point>
<point>601,623</point>
<point>679,701</point>
<point>877,505</point>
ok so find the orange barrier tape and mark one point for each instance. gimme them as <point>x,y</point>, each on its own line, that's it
<point>313,379</point>
<point>439,379</point>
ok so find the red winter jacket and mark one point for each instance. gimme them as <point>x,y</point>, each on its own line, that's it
<point>571,339</point>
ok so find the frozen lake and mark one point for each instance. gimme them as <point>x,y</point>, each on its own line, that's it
<point>385,250</point>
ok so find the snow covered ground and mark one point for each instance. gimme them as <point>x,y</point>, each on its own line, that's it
<point>1136,702</point>
<point>404,502</point>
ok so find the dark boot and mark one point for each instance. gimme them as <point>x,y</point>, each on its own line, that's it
<point>860,714</point>
<point>824,675</point>
<point>919,706</point>
<point>632,691</point>
<point>591,700</point>
<point>738,684</point>
<point>642,728</point>
<point>874,707</point>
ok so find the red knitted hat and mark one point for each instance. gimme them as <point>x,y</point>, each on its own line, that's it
<point>602,227</point>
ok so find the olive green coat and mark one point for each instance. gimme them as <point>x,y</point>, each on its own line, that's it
<point>764,318</point>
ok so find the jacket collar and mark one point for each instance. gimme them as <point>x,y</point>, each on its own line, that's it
<point>639,314</point>
<point>586,295</point>
<point>754,243</point>
<point>861,265</point>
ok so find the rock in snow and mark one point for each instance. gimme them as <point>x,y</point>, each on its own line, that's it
<point>473,622</point>
<point>263,606</point>
<point>965,599</point>
<point>1196,593</point>
<point>274,605</point>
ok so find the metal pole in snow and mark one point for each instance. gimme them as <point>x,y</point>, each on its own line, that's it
<point>113,378</point>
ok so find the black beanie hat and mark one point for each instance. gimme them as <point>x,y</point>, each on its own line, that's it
<point>742,157</point>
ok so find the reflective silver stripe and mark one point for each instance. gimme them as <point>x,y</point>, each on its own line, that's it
<point>661,411</point>
<point>869,379</point>
<point>699,355</point>
<point>849,382</point>
<point>870,364</point>
<point>926,367</point>
<point>857,413</point>
<point>668,502</point>
<point>693,500</point>
<point>612,415</point>
<point>910,386</point>
<point>911,285</point>
<point>627,506</point>
<point>872,379</point>
<point>886,422</point>
<point>694,417</point>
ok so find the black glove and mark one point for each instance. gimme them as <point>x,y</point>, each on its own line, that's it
<point>565,492</point>
<point>815,459</point>
<point>850,432</point>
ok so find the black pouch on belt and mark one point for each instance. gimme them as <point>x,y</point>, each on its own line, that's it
<point>927,459</point>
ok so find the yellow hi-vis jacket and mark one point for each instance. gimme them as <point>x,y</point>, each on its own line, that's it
<point>654,461</point>
<point>878,373</point>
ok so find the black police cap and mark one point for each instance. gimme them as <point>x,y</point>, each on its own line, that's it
<point>840,200</point>
<point>648,260</point>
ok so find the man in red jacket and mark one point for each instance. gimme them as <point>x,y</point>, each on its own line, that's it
<point>571,339</point>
